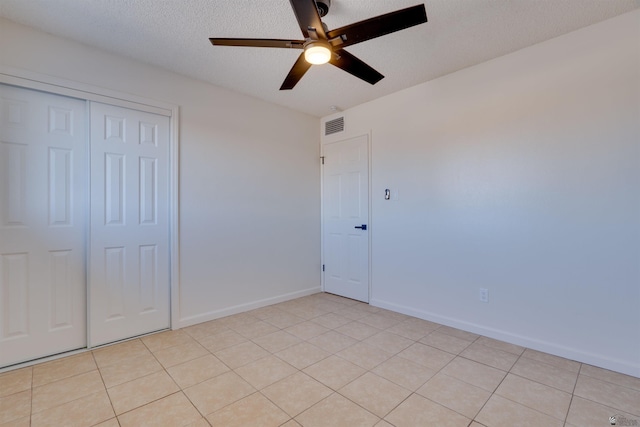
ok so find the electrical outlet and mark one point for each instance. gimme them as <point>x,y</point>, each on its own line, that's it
<point>483,294</point>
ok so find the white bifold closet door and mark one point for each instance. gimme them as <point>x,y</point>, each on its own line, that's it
<point>129,243</point>
<point>43,200</point>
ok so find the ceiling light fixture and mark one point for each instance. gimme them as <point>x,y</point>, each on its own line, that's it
<point>317,52</point>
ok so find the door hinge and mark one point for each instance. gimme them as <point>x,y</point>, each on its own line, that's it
<point>322,267</point>
<point>322,158</point>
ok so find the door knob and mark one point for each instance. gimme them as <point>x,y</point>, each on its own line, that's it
<point>362,227</point>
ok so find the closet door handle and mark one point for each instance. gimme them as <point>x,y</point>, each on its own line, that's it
<point>361,227</point>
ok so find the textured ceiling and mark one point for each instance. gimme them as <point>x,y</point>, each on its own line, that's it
<point>173,34</point>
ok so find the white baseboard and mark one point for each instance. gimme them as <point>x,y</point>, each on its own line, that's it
<point>240,308</point>
<point>599,360</point>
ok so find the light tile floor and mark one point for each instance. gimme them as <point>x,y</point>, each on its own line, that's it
<point>320,360</point>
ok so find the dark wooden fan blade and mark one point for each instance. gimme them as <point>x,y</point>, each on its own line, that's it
<point>289,44</point>
<point>380,25</point>
<point>297,71</point>
<point>307,16</point>
<point>355,66</point>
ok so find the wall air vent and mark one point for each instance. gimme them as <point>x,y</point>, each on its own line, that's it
<point>334,126</point>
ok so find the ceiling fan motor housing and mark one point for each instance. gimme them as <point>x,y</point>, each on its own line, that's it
<point>323,7</point>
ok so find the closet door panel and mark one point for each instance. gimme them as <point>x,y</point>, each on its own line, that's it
<point>43,200</point>
<point>129,249</point>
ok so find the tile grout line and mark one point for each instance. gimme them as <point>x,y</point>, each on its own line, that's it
<point>494,390</point>
<point>439,371</point>
<point>304,373</point>
<point>105,388</point>
<point>537,382</point>
<point>414,341</point>
<point>31,400</point>
<point>411,392</point>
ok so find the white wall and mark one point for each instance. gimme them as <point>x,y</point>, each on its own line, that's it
<point>520,175</point>
<point>249,177</point>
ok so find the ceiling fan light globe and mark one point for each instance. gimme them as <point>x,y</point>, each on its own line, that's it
<point>317,54</point>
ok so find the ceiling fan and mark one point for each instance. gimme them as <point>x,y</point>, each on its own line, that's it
<point>322,45</point>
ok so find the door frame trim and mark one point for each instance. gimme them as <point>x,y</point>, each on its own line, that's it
<point>369,214</point>
<point>42,82</point>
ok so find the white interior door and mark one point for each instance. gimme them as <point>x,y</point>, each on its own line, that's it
<point>346,217</point>
<point>42,224</point>
<point>129,249</point>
